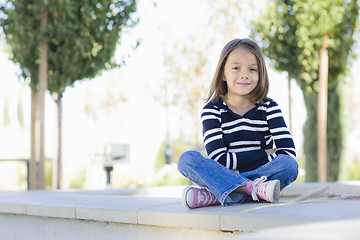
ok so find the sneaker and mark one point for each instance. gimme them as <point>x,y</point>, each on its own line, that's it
<point>268,191</point>
<point>193,197</point>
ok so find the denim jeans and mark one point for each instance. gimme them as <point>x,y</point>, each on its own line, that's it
<point>222,181</point>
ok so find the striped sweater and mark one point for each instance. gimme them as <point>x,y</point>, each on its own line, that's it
<point>239,142</point>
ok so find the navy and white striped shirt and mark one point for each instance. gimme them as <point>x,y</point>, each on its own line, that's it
<point>239,142</point>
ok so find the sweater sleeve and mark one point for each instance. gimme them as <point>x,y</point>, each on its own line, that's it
<point>279,131</point>
<point>218,151</point>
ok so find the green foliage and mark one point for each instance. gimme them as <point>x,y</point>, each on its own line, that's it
<point>78,181</point>
<point>354,171</point>
<point>81,36</point>
<point>167,174</point>
<point>335,132</point>
<point>48,165</point>
<point>292,34</point>
<point>21,173</point>
<point>335,135</point>
<point>186,78</point>
<point>160,157</point>
<point>177,147</point>
<point>310,141</point>
<point>6,114</point>
<point>20,113</point>
<point>170,176</point>
<point>301,161</point>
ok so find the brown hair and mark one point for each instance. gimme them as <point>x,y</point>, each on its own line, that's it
<point>219,87</point>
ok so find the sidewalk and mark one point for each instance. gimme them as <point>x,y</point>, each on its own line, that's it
<point>157,213</point>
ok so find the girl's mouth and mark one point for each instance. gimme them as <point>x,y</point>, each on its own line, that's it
<point>242,84</point>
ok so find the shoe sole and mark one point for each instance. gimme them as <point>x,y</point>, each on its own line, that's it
<point>276,194</point>
<point>183,197</point>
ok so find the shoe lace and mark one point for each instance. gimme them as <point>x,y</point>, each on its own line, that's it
<point>255,189</point>
<point>212,198</point>
<point>206,196</point>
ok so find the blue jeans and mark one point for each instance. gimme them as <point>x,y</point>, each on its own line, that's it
<point>222,181</point>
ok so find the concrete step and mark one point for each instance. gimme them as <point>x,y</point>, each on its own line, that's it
<point>156,213</point>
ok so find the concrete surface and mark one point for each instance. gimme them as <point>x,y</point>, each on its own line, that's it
<point>156,213</point>
<point>329,230</point>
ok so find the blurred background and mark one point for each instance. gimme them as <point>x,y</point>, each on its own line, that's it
<point>126,124</point>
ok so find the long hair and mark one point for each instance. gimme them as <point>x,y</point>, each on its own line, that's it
<point>218,87</point>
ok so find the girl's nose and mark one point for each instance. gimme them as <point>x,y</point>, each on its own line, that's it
<point>243,76</point>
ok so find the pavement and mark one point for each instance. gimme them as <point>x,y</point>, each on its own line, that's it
<point>305,211</point>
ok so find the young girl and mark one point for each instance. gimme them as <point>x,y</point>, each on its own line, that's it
<point>250,149</point>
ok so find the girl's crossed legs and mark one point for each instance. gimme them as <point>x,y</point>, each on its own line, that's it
<point>227,185</point>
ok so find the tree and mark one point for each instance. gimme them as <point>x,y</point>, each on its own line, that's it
<point>20,113</point>
<point>6,113</point>
<point>185,80</point>
<point>187,62</point>
<point>292,34</point>
<point>226,13</point>
<point>71,40</point>
<point>85,35</point>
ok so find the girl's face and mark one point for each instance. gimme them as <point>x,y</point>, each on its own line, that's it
<point>241,73</point>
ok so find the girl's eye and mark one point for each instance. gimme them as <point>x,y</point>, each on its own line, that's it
<point>236,68</point>
<point>253,69</point>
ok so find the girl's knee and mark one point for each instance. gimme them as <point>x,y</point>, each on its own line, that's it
<point>290,165</point>
<point>293,167</point>
<point>187,159</point>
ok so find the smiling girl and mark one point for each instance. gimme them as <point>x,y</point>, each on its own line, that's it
<point>251,154</point>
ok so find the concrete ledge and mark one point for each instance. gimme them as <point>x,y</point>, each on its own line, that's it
<point>143,210</point>
<point>35,228</point>
<point>296,190</point>
<point>330,230</point>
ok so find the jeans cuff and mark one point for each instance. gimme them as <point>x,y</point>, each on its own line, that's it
<point>228,192</point>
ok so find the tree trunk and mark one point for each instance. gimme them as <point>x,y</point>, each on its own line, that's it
<point>34,141</point>
<point>322,111</point>
<point>37,172</point>
<point>290,106</point>
<point>58,163</point>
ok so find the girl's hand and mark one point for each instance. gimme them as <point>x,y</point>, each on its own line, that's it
<point>270,151</point>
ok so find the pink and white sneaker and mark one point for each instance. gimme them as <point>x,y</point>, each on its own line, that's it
<point>268,191</point>
<point>193,197</point>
